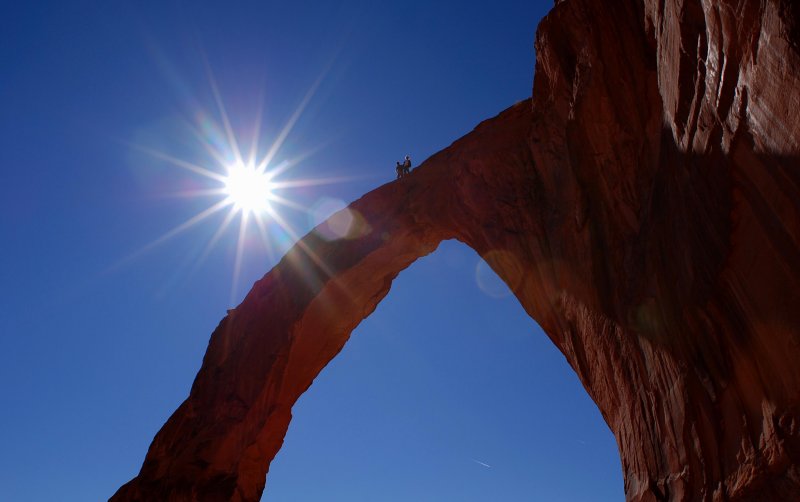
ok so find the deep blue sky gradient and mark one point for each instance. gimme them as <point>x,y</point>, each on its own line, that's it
<point>101,343</point>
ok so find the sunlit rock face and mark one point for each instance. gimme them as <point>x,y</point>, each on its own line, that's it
<point>644,207</point>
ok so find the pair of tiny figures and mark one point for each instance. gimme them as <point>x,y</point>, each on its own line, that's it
<point>404,168</point>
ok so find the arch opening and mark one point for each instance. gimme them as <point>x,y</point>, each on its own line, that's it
<point>449,375</point>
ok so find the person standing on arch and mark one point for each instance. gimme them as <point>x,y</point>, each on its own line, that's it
<point>407,165</point>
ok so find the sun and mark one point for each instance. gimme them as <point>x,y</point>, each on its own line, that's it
<point>251,187</point>
<point>248,188</point>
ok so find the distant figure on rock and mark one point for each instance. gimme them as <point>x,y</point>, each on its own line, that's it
<point>407,165</point>
<point>404,168</point>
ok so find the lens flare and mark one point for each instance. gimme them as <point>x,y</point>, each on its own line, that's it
<point>253,188</point>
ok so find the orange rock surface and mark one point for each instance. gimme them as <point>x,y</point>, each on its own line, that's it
<point>644,207</point>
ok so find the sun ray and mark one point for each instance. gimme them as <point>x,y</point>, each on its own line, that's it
<point>283,224</point>
<point>279,169</point>
<point>237,265</point>
<point>197,193</point>
<point>299,243</point>
<point>309,182</point>
<point>290,163</point>
<point>214,239</point>
<point>251,159</point>
<point>286,202</point>
<point>187,224</point>
<point>172,233</point>
<point>203,139</point>
<point>180,273</point>
<point>276,145</point>
<point>262,231</point>
<point>180,163</point>
<point>221,107</point>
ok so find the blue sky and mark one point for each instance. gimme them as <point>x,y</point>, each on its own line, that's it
<point>102,335</point>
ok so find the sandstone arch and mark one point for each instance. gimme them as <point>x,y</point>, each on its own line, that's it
<point>260,360</point>
<point>643,209</point>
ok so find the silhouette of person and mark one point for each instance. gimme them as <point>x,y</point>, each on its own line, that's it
<point>399,170</point>
<point>406,165</point>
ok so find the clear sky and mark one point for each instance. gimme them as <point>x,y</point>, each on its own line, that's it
<point>447,392</point>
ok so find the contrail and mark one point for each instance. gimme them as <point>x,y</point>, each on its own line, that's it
<point>481,463</point>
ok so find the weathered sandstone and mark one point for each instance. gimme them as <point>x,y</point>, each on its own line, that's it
<point>644,207</point>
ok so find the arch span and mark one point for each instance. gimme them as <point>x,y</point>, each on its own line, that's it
<point>267,351</point>
<point>642,208</point>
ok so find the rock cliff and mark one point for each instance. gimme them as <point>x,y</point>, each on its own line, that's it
<point>644,207</point>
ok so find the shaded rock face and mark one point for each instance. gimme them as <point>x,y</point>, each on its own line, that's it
<point>644,207</point>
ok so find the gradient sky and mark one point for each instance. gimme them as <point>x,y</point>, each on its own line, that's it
<point>447,392</point>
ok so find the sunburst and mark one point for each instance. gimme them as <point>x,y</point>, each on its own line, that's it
<point>247,188</point>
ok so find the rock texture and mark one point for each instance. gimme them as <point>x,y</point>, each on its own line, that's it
<point>644,207</point>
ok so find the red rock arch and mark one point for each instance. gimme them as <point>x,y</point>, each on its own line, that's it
<point>268,350</point>
<point>643,209</point>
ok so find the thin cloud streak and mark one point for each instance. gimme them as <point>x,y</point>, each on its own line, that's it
<point>481,463</point>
